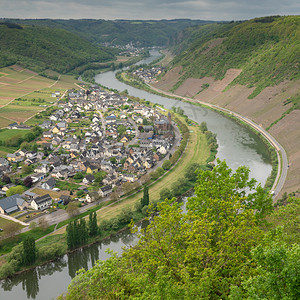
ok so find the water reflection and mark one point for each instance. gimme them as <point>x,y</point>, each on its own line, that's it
<point>30,280</point>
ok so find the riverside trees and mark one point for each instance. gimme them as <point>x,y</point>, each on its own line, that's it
<point>199,254</point>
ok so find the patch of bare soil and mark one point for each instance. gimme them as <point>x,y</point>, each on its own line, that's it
<point>194,87</point>
<point>169,79</point>
<point>212,44</point>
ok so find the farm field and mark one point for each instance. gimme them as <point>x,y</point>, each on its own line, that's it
<point>33,91</point>
<point>9,133</point>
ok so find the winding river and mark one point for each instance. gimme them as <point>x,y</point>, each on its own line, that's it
<point>237,145</point>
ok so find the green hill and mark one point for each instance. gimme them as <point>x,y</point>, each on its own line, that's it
<point>119,32</point>
<point>266,49</point>
<point>39,48</point>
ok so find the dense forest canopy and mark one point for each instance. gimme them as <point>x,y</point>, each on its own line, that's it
<point>39,48</point>
<point>119,32</point>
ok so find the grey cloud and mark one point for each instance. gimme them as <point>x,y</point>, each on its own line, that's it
<point>148,9</point>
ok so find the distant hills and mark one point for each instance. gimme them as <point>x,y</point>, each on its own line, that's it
<point>267,50</point>
<point>39,48</point>
<point>119,32</point>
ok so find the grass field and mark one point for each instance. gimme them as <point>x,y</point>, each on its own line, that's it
<point>16,82</point>
<point>3,222</point>
<point>9,133</point>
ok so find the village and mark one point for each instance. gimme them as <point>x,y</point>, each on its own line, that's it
<point>147,75</point>
<point>92,146</point>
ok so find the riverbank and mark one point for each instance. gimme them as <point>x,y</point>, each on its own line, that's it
<point>279,161</point>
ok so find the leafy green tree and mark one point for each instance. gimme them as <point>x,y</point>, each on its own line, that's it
<point>93,226</point>
<point>190,173</point>
<point>15,190</point>
<point>145,198</point>
<point>165,193</point>
<point>166,165</point>
<point>203,126</point>
<point>26,169</point>
<point>222,184</point>
<point>29,251</point>
<point>78,175</point>
<point>70,236</point>
<point>277,272</point>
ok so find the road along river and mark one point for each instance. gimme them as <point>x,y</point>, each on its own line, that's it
<point>237,145</point>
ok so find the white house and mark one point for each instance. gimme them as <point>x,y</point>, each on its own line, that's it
<point>42,202</point>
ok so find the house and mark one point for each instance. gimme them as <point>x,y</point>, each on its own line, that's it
<point>105,191</point>
<point>3,162</point>
<point>88,179</point>
<point>30,195</point>
<point>92,169</point>
<point>42,202</point>
<point>37,177</point>
<point>49,184</point>
<point>65,199</point>
<point>11,204</point>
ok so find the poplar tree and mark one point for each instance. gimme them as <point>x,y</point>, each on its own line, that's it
<point>93,227</point>
<point>29,251</point>
<point>145,199</point>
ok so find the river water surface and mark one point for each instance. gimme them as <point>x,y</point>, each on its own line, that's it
<point>237,145</point>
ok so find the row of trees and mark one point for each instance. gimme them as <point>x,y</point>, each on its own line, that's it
<point>78,231</point>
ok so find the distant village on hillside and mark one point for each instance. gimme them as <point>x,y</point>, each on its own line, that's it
<point>93,143</point>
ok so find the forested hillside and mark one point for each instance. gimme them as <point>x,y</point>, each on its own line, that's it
<point>266,49</point>
<point>120,32</point>
<point>39,48</point>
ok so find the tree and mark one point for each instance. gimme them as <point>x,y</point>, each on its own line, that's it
<point>222,184</point>
<point>6,179</point>
<point>29,251</point>
<point>114,196</point>
<point>15,190</point>
<point>127,187</point>
<point>190,173</point>
<point>177,257</point>
<point>165,194</point>
<point>26,169</point>
<point>43,224</point>
<point>276,274</point>
<point>28,181</point>
<point>72,209</point>
<point>203,126</point>
<point>166,165</point>
<point>145,199</point>
<point>93,226</point>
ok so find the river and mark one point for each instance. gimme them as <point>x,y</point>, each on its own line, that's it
<point>237,145</point>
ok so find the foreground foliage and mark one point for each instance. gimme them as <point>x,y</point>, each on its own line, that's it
<point>203,253</point>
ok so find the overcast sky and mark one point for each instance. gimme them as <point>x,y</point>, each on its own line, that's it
<point>147,9</point>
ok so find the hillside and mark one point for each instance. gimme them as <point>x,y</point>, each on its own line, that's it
<point>120,32</point>
<point>266,49</point>
<point>249,67</point>
<point>39,48</point>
